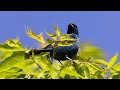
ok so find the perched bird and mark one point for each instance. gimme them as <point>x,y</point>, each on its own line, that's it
<point>62,52</point>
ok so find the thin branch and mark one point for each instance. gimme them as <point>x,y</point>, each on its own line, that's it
<point>36,63</point>
<point>88,59</point>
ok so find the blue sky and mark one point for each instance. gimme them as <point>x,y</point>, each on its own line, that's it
<point>102,28</point>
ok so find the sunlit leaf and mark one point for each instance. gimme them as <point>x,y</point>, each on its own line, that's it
<point>57,30</point>
<point>41,74</point>
<point>11,45</point>
<point>5,47</point>
<point>96,74</point>
<point>110,77</point>
<point>15,69</point>
<point>53,36</point>
<point>87,50</point>
<point>79,69</point>
<point>116,76</point>
<point>100,61</point>
<point>9,75</point>
<point>66,37</point>
<point>86,72</point>
<point>56,65</point>
<point>69,71</point>
<point>5,54</point>
<point>64,43</point>
<point>95,66</point>
<point>100,77</point>
<point>49,41</point>
<point>112,61</point>
<point>46,66</point>
<point>115,68</point>
<point>28,66</point>
<point>9,62</point>
<point>39,37</point>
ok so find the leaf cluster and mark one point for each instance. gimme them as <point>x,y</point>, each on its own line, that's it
<point>89,62</point>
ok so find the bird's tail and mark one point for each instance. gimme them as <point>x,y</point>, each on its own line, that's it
<point>38,51</point>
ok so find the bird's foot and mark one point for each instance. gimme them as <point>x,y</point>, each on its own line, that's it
<point>71,62</point>
<point>60,62</point>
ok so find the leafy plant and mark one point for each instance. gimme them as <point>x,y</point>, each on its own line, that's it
<point>89,63</point>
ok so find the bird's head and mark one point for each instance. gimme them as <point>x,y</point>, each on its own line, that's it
<point>72,28</point>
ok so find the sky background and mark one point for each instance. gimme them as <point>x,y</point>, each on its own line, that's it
<point>101,28</point>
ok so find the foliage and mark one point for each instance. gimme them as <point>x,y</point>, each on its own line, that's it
<point>89,63</point>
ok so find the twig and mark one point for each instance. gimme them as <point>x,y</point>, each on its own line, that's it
<point>36,63</point>
<point>89,59</point>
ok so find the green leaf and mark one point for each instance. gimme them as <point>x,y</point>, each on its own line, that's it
<point>9,75</point>
<point>5,54</point>
<point>69,70</point>
<point>28,66</point>
<point>116,76</point>
<point>110,77</point>
<point>49,41</point>
<point>86,72</point>
<point>64,43</point>
<point>79,69</point>
<point>66,37</point>
<point>13,43</point>
<point>43,61</point>
<point>100,61</point>
<point>95,66</point>
<point>56,65</point>
<point>100,77</point>
<point>53,36</point>
<point>87,50</point>
<point>15,69</point>
<point>41,74</point>
<point>9,62</point>
<point>54,74</point>
<point>39,37</point>
<point>57,30</point>
<point>115,68</point>
<point>112,61</point>
<point>95,74</point>
<point>6,47</point>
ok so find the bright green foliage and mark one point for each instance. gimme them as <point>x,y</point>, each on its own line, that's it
<point>89,63</point>
<point>112,61</point>
<point>57,30</point>
<point>100,61</point>
<point>53,36</point>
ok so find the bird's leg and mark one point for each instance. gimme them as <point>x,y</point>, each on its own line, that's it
<point>60,62</point>
<point>71,61</point>
<point>51,61</point>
